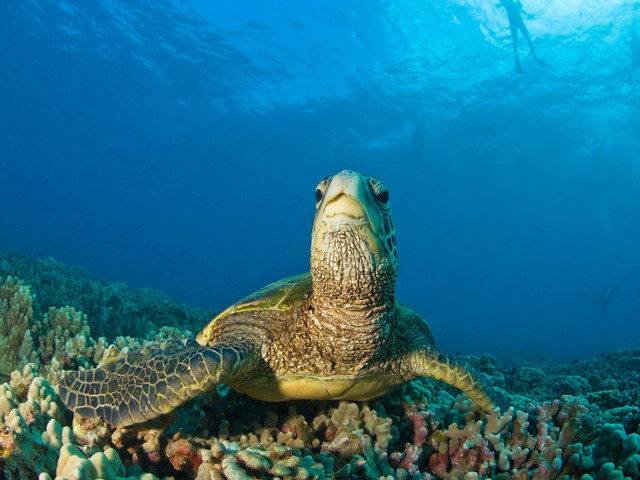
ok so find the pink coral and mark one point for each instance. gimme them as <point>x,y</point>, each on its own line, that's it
<point>408,459</point>
<point>439,463</point>
<point>422,423</point>
<point>183,454</point>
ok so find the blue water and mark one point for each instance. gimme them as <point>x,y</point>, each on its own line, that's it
<point>176,144</point>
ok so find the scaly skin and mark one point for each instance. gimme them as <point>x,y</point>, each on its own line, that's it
<point>335,333</point>
<point>147,383</point>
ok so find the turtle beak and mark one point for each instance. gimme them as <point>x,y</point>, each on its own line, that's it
<point>344,209</point>
<point>344,199</point>
<point>347,204</point>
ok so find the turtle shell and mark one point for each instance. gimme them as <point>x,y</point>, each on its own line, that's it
<point>280,295</point>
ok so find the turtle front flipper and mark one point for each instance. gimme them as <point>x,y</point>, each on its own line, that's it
<point>438,365</point>
<point>147,383</point>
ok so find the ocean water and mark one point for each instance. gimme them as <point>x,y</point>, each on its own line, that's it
<point>176,145</point>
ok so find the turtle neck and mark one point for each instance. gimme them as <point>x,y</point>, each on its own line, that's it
<point>352,289</point>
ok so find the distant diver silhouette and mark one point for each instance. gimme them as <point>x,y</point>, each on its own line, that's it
<point>513,8</point>
<point>603,298</point>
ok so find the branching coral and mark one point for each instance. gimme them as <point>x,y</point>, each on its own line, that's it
<point>421,431</point>
<point>65,342</point>
<point>25,412</point>
<point>351,430</point>
<point>60,339</point>
<point>549,440</point>
<point>113,309</point>
<point>33,442</point>
<point>16,317</point>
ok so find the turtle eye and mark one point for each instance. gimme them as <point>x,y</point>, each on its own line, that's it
<point>380,191</point>
<point>320,189</point>
<point>383,196</point>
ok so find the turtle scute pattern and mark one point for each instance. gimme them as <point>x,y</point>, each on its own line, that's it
<point>147,383</point>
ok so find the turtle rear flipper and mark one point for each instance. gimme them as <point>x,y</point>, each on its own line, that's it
<point>147,383</point>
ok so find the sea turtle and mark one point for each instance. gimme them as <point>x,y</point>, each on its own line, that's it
<point>336,332</point>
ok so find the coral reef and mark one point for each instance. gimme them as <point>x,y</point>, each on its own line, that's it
<point>576,421</point>
<point>60,339</point>
<point>598,379</point>
<point>27,405</point>
<point>113,309</point>
<point>16,315</point>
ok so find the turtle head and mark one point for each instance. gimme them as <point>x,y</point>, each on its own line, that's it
<point>354,259</point>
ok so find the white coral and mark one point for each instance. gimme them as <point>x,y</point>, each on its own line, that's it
<point>74,465</point>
